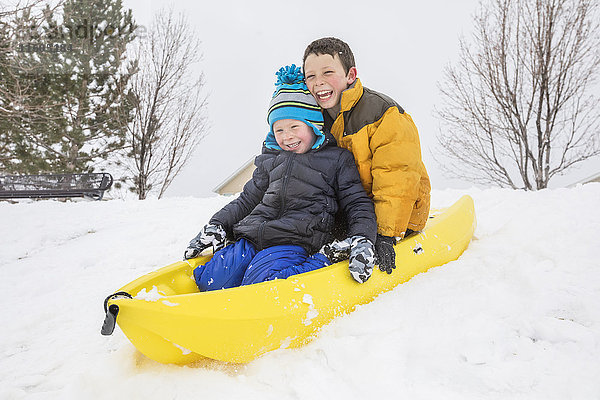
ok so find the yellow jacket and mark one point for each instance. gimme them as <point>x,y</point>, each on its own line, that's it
<point>387,152</point>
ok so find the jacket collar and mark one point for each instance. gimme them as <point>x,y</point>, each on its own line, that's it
<point>351,96</point>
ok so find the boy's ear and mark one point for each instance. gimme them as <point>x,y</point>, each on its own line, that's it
<point>352,75</point>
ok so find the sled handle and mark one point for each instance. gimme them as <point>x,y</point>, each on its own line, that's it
<point>108,326</point>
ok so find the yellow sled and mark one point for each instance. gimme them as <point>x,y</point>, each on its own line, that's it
<point>170,321</point>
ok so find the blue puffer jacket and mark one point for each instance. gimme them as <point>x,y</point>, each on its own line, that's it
<point>293,198</point>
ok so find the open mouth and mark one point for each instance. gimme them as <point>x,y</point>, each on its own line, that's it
<point>292,145</point>
<point>324,95</point>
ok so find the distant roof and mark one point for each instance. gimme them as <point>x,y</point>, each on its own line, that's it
<point>592,178</point>
<point>234,174</point>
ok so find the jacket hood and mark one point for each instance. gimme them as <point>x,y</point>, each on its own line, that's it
<point>326,139</point>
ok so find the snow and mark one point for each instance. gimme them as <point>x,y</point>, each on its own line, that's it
<point>312,313</point>
<point>152,295</point>
<point>517,316</point>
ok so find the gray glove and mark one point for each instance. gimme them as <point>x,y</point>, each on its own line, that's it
<point>337,251</point>
<point>210,235</point>
<point>362,258</point>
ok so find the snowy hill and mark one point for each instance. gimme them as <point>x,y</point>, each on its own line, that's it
<point>517,316</point>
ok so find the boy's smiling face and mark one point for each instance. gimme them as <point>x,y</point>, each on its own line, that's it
<point>293,135</point>
<point>326,79</point>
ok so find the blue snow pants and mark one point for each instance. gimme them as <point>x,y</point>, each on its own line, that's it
<point>240,264</point>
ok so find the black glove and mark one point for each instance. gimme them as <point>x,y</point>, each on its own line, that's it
<point>386,255</point>
<point>210,235</point>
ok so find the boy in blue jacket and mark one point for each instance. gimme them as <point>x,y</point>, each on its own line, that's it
<point>283,219</point>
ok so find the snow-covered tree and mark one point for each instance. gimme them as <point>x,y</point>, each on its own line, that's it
<point>92,79</point>
<point>23,98</point>
<point>64,98</point>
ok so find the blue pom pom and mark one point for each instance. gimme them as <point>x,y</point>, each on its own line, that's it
<point>289,75</point>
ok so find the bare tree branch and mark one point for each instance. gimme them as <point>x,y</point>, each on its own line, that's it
<point>169,106</point>
<point>518,107</point>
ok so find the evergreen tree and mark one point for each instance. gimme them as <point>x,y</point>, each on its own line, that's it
<point>22,97</point>
<point>92,79</point>
<point>5,121</point>
<point>66,102</point>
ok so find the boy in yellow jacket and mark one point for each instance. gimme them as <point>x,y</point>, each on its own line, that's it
<point>381,136</point>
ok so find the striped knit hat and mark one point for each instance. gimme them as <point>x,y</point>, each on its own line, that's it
<point>292,100</point>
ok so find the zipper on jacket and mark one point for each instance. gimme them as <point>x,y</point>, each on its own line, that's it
<point>261,230</point>
<point>284,185</point>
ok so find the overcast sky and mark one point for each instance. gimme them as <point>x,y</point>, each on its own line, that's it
<point>400,47</point>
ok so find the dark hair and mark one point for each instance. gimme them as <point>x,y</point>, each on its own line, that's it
<point>331,46</point>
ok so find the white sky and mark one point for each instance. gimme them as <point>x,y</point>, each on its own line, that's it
<point>400,47</point>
